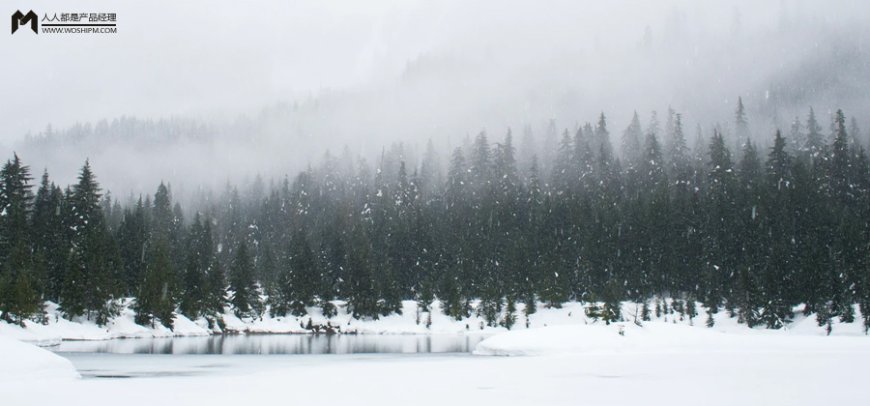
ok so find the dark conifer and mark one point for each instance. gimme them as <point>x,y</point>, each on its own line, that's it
<point>19,278</point>
<point>245,295</point>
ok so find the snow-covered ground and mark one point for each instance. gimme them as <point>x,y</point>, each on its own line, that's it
<point>24,363</point>
<point>564,358</point>
<point>580,364</point>
<point>123,326</point>
<point>409,322</point>
<point>654,338</point>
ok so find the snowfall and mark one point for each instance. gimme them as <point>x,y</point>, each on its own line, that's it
<point>561,358</point>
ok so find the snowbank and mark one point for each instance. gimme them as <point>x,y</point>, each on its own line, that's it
<point>411,321</point>
<point>655,337</point>
<point>22,361</point>
<point>617,337</point>
<point>58,328</point>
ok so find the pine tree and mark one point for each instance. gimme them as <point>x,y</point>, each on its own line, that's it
<point>740,121</point>
<point>720,221</point>
<point>132,239</point>
<point>593,311</point>
<point>752,219</point>
<point>631,137</point>
<point>534,247</point>
<point>845,246</point>
<point>159,289</point>
<point>88,285</point>
<point>510,317</point>
<point>549,146</point>
<point>50,244</point>
<point>155,297</point>
<point>457,199</point>
<point>612,311</point>
<point>811,254</point>
<point>840,169</point>
<point>796,136</point>
<point>199,258</point>
<point>430,170</point>
<point>864,301</point>
<point>815,140</point>
<point>402,256</point>
<point>305,275</point>
<point>384,255</point>
<point>331,267</point>
<point>489,309</point>
<point>245,298</point>
<point>691,310</point>
<point>777,282</point>
<point>678,152</point>
<point>602,139</point>
<point>645,311</point>
<point>216,289</point>
<point>507,236</point>
<point>528,150</point>
<point>655,228</point>
<point>654,127</point>
<point>481,234</point>
<point>563,176</point>
<point>361,290</point>
<point>683,235</point>
<point>19,298</point>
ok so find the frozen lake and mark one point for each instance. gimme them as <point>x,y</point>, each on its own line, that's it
<point>280,344</point>
<point>811,376</point>
<point>193,356</point>
<point>123,366</point>
<point>659,364</point>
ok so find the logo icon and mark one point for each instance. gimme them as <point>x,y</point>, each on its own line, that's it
<point>22,19</point>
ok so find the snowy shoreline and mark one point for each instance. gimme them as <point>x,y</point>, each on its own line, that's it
<point>410,322</point>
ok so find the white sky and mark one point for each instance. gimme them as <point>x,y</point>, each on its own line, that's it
<point>426,67</point>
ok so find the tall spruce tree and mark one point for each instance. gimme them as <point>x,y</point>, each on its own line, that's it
<point>49,240</point>
<point>19,297</point>
<point>719,223</point>
<point>631,141</point>
<point>132,237</point>
<point>748,291</point>
<point>199,257</point>
<point>815,140</point>
<point>778,283</point>
<point>159,289</point>
<point>155,298</point>
<point>361,295</point>
<point>88,284</point>
<point>304,274</point>
<point>741,124</point>
<point>245,295</point>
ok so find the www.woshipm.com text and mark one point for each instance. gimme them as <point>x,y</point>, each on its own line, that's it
<point>79,30</point>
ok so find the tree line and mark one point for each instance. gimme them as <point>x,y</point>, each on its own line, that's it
<point>750,231</point>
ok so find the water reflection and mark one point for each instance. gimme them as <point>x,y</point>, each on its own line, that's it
<point>279,344</point>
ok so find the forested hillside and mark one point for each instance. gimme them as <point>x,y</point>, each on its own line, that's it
<point>751,230</point>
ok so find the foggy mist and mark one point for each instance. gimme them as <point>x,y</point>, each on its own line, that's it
<point>198,95</point>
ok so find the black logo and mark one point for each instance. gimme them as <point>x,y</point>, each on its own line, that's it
<point>22,19</point>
